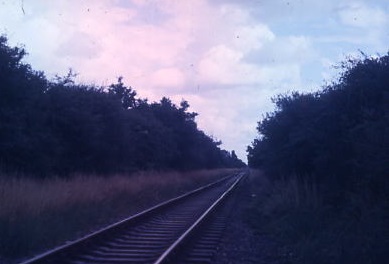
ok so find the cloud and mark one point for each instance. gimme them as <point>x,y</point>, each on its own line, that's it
<point>84,46</point>
<point>234,112</point>
<point>224,65</point>
<point>248,38</point>
<point>226,57</point>
<point>168,78</point>
<point>360,15</point>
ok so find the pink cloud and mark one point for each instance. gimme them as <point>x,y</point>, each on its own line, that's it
<point>224,57</point>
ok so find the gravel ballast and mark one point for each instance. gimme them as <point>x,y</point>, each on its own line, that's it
<point>240,243</point>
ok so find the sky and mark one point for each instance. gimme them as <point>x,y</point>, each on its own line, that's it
<point>227,58</point>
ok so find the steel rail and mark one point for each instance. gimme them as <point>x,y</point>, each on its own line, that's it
<point>165,256</point>
<point>85,242</point>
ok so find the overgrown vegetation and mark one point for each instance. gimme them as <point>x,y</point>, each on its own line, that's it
<point>60,127</point>
<point>54,131</point>
<point>327,157</point>
<point>38,214</point>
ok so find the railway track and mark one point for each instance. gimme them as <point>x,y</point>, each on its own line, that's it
<point>181,230</point>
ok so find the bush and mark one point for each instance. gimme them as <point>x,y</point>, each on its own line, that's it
<point>327,159</point>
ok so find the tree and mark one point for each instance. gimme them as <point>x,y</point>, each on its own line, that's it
<point>125,94</point>
<point>60,127</point>
<point>337,137</point>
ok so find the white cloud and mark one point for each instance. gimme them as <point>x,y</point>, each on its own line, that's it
<point>224,65</point>
<point>83,46</point>
<point>168,78</point>
<point>226,57</point>
<point>358,14</point>
<point>248,38</point>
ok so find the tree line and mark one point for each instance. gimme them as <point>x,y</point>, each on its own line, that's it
<point>58,127</point>
<point>337,138</point>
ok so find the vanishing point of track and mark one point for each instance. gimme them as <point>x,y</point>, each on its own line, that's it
<point>165,233</point>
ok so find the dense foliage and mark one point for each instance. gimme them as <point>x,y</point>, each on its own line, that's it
<point>327,155</point>
<point>337,137</point>
<point>59,127</point>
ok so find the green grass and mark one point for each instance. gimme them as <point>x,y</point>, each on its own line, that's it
<point>36,215</point>
<point>311,230</point>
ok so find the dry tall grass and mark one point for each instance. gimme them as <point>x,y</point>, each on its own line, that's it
<point>32,197</point>
<point>62,209</point>
<point>291,194</point>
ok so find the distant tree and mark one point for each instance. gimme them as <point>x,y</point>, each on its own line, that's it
<point>125,94</point>
<point>60,127</point>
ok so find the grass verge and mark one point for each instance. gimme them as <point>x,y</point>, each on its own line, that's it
<point>310,230</point>
<point>39,214</point>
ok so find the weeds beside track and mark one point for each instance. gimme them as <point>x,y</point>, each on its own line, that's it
<point>36,215</point>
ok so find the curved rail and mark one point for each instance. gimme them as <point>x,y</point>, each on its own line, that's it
<point>147,237</point>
